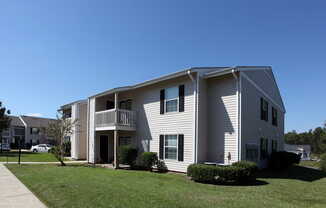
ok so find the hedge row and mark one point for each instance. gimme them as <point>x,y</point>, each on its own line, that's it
<point>282,160</point>
<point>323,162</point>
<point>239,172</point>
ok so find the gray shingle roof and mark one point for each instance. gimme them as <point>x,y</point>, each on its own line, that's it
<point>37,121</point>
<point>15,121</point>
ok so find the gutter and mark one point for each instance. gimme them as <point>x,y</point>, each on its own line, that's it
<point>88,112</point>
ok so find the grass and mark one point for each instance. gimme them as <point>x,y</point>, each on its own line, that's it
<point>308,163</point>
<point>81,186</point>
<point>27,157</point>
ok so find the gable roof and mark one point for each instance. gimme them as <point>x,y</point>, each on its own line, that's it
<point>37,121</point>
<point>15,121</point>
<point>160,79</point>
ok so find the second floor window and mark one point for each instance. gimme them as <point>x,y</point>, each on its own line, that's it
<point>274,116</point>
<point>171,99</point>
<point>35,131</point>
<point>263,109</point>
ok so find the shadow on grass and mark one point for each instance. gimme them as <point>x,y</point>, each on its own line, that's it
<point>15,154</point>
<point>294,172</point>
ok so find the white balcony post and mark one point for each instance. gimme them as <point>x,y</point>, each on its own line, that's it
<point>116,162</point>
<point>116,107</point>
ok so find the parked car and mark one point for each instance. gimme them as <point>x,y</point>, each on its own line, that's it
<point>41,148</point>
<point>5,147</point>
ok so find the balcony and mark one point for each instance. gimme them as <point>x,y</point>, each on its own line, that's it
<point>115,119</point>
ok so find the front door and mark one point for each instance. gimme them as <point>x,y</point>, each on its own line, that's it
<point>104,147</point>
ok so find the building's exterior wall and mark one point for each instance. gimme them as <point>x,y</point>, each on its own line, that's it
<point>151,124</point>
<point>79,134</point>
<point>252,127</point>
<point>91,131</point>
<point>202,121</point>
<point>222,119</point>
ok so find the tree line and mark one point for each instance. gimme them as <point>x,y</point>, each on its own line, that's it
<point>315,138</point>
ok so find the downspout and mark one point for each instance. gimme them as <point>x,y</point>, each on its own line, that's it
<point>88,118</point>
<point>239,112</point>
<point>194,122</point>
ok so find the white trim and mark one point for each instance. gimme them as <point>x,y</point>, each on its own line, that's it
<point>197,107</point>
<point>22,120</point>
<point>240,116</point>
<point>177,147</point>
<point>264,93</point>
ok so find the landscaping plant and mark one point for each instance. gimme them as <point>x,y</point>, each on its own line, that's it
<point>283,160</point>
<point>237,173</point>
<point>323,162</point>
<point>59,130</point>
<point>127,155</point>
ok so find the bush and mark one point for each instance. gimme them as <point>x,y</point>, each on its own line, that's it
<point>241,172</point>
<point>127,155</point>
<point>146,161</point>
<point>283,160</point>
<point>161,167</point>
<point>323,162</point>
<point>248,171</point>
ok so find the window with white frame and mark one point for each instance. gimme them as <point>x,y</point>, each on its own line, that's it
<point>171,147</point>
<point>171,99</point>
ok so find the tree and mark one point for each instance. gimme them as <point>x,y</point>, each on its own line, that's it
<point>4,120</point>
<point>59,130</point>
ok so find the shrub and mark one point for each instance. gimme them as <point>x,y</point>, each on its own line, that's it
<point>146,161</point>
<point>282,160</point>
<point>127,155</point>
<point>161,167</point>
<point>248,171</point>
<point>241,172</point>
<point>323,162</point>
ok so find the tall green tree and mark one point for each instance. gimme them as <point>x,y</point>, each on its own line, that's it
<point>4,121</point>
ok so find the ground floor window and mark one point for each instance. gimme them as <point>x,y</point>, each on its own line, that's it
<point>170,147</point>
<point>263,148</point>
<point>125,140</point>
<point>274,145</point>
<point>252,152</point>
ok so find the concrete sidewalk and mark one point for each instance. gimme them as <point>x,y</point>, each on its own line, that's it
<point>47,163</point>
<point>15,194</point>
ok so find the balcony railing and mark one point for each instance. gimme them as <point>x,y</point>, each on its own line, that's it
<point>115,117</point>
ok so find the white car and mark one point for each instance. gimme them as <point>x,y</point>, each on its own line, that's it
<point>41,148</point>
<point>5,147</point>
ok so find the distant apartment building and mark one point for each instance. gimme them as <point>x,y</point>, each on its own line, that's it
<point>27,130</point>
<point>77,112</point>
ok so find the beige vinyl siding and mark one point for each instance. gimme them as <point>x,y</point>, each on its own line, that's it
<point>253,128</point>
<point>266,81</point>
<point>82,121</point>
<point>202,121</point>
<point>222,119</point>
<point>151,124</point>
<point>91,131</point>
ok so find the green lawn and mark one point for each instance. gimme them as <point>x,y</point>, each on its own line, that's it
<point>307,163</point>
<point>81,186</point>
<point>27,157</point>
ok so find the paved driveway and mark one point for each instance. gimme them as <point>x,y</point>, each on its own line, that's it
<point>15,194</point>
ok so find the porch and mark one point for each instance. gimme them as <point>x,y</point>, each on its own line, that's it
<point>107,143</point>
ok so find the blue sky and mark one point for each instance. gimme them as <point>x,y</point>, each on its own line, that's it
<point>55,52</point>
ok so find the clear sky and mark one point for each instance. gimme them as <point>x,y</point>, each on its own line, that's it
<point>55,52</point>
